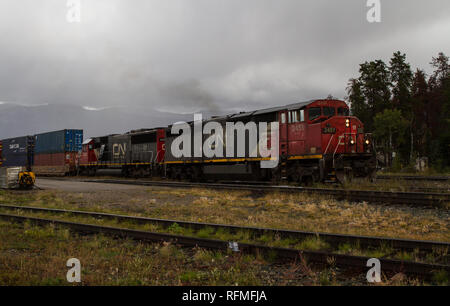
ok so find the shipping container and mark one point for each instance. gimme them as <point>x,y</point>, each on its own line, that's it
<point>59,141</point>
<point>18,152</point>
<point>55,163</point>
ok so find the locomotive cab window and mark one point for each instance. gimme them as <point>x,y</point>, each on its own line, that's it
<point>314,113</point>
<point>295,116</point>
<point>298,116</point>
<point>342,111</point>
<point>329,111</point>
<point>283,118</point>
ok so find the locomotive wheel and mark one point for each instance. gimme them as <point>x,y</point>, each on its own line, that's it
<point>172,174</point>
<point>142,172</point>
<point>125,172</point>
<point>196,174</point>
<point>276,175</point>
<point>295,177</point>
<point>307,180</point>
<point>344,176</point>
<point>135,173</point>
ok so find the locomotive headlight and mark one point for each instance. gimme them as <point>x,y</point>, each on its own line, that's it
<point>367,142</point>
<point>347,123</point>
<point>352,142</point>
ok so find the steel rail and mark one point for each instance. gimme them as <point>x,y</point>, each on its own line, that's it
<point>354,262</point>
<point>332,239</point>
<point>413,178</point>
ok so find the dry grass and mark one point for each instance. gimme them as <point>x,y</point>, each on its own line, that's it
<point>32,255</point>
<point>37,256</point>
<point>277,210</point>
<point>244,236</point>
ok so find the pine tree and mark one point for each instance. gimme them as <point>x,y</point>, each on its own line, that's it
<point>401,80</point>
<point>439,110</point>
<point>369,94</point>
<point>419,100</point>
<point>359,107</point>
<point>375,85</point>
<point>423,104</point>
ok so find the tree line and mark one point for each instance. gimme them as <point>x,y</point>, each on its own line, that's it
<point>407,112</point>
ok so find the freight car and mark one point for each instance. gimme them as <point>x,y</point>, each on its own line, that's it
<point>52,153</point>
<point>56,153</point>
<point>16,158</point>
<point>17,152</point>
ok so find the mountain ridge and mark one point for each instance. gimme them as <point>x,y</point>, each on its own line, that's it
<point>19,120</point>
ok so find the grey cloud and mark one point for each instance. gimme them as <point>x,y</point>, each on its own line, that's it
<point>204,55</point>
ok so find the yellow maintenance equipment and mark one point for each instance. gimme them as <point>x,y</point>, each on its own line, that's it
<point>26,179</point>
<point>16,177</point>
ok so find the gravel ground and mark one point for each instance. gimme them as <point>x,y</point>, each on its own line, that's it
<point>75,186</point>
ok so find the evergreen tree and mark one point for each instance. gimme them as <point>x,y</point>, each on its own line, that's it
<point>416,120</point>
<point>419,100</point>
<point>370,94</point>
<point>375,82</point>
<point>401,78</point>
<point>390,127</point>
<point>359,107</point>
<point>442,70</point>
<point>439,110</point>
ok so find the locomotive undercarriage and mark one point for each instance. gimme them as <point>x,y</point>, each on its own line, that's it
<point>292,171</point>
<point>224,171</point>
<point>348,167</point>
<point>304,172</point>
<point>341,168</point>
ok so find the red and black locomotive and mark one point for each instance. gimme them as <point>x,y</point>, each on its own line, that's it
<point>318,140</point>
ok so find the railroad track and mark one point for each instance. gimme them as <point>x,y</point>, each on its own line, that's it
<point>317,257</point>
<point>435,199</point>
<point>428,189</point>
<point>414,178</point>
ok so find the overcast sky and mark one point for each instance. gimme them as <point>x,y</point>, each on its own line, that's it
<point>204,55</point>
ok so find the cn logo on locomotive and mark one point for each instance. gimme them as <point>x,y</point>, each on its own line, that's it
<point>119,149</point>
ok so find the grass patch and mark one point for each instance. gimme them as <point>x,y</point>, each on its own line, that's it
<point>313,244</point>
<point>441,278</point>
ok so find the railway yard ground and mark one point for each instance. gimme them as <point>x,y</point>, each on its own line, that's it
<point>43,250</point>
